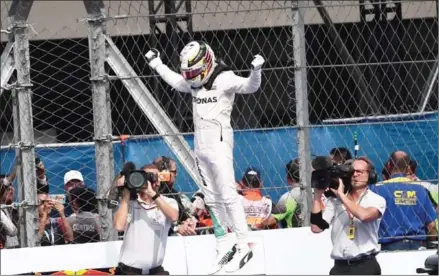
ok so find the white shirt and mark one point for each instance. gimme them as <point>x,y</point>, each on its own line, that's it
<point>256,210</point>
<point>366,233</point>
<point>146,235</point>
<point>294,194</point>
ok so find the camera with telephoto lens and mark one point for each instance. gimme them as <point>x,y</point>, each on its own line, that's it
<point>326,175</point>
<point>136,179</point>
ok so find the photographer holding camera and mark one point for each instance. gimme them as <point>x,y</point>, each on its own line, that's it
<point>145,220</point>
<point>354,213</point>
<point>185,225</point>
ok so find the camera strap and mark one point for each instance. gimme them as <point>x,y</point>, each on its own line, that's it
<point>145,205</point>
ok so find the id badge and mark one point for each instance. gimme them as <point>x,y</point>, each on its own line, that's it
<point>351,234</point>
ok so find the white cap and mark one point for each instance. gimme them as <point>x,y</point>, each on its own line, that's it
<point>73,175</point>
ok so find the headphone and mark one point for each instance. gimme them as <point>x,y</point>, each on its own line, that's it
<point>373,176</point>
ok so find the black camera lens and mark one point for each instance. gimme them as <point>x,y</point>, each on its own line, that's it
<point>136,179</point>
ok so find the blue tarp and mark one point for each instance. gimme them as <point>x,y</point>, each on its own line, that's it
<point>268,150</point>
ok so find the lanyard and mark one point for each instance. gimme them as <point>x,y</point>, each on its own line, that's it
<point>351,217</point>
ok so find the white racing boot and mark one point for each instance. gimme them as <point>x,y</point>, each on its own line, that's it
<point>225,249</point>
<point>242,255</point>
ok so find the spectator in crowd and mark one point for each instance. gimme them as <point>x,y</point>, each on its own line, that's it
<point>85,224</point>
<point>256,206</point>
<point>340,155</point>
<point>288,210</point>
<point>410,214</point>
<point>411,173</point>
<point>186,223</point>
<point>73,179</point>
<point>8,216</point>
<point>53,231</point>
<point>432,188</point>
<point>385,173</point>
<point>205,223</point>
<point>40,170</point>
<point>9,179</point>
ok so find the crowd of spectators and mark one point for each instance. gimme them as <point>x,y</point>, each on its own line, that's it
<point>409,222</point>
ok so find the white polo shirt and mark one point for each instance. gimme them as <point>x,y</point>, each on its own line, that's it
<point>146,235</point>
<point>366,233</point>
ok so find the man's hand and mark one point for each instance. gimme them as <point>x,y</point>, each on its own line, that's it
<point>48,205</point>
<point>153,58</point>
<point>60,208</point>
<point>198,203</point>
<point>126,194</point>
<point>187,228</point>
<point>41,170</point>
<point>149,190</point>
<point>318,192</point>
<point>257,62</point>
<point>120,182</point>
<point>340,189</point>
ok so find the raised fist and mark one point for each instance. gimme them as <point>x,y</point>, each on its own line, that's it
<point>257,62</point>
<point>153,58</point>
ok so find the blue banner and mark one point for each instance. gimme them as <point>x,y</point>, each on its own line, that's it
<point>269,150</point>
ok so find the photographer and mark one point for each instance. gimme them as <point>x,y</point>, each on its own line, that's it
<point>185,225</point>
<point>146,222</point>
<point>354,216</point>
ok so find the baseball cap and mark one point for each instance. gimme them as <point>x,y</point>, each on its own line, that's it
<point>252,177</point>
<point>73,175</point>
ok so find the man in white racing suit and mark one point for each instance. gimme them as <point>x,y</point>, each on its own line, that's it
<point>213,87</point>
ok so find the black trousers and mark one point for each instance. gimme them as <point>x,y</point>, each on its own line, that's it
<point>364,266</point>
<point>123,269</point>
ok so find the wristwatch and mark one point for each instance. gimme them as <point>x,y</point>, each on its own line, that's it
<point>157,195</point>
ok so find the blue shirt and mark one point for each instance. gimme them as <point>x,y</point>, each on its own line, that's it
<point>409,210</point>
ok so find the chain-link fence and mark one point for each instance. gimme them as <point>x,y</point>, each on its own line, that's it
<point>355,74</point>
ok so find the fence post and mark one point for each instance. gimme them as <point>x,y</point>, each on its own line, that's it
<point>101,114</point>
<point>302,115</point>
<point>26,147</point>
<point>20,191</point>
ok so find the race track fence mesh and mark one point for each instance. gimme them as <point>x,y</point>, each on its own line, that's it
<point>360,75</point>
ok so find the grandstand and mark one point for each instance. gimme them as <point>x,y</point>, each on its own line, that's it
<point>76,91</point>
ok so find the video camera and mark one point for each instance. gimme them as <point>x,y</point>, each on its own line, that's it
<point>326,175</point>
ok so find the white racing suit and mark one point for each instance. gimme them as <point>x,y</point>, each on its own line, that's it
<point>213,141</point>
